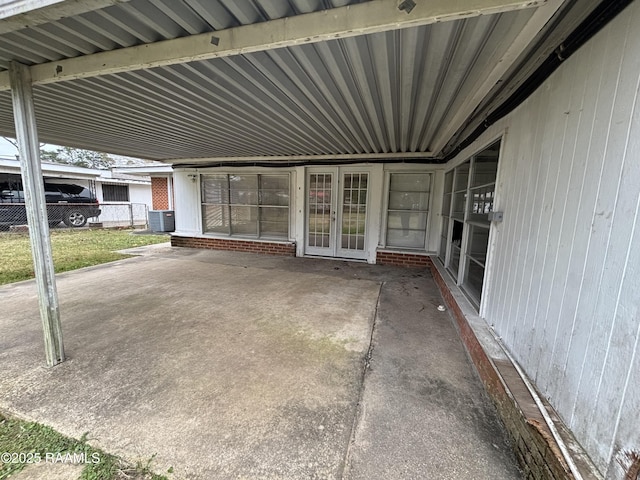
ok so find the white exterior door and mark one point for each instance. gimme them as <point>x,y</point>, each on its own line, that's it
<point>336,212</point>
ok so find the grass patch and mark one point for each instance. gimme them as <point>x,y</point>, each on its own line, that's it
<point>72,249</point>
<point>30,442</point>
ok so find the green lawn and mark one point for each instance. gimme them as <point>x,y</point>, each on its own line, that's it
<point>23,443</point>
<point>71,249</point>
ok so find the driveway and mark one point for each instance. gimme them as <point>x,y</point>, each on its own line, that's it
<point>226,365</point>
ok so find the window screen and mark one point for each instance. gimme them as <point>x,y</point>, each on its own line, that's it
<point>115,193</point>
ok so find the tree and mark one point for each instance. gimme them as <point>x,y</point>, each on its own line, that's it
<point>78,157</point>
<point>72,156</point>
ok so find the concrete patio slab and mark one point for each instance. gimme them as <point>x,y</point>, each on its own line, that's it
<point>225,365</point>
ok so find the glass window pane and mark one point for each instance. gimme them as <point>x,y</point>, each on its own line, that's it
<point>320,192</point>
<point>446,205</point>
<point>454,261</point>
<point>274,190</point>
<point>484,171</point>
<point>244,221</point>
<point>243,189</point>
<point>215,189</point>
<point>275,182</point>
<point>354,196</point>
<point>459,202</point>
<point>408,201</point>
<point>405,239</point>
<point>462,176</point>
<point>478,242</point>
<point>410,182</point>
<point>474,278</point>
<point>443,239</point>
<point>215,218</point>
<point>407,221</point>
<point>220,191</point>
<point>408,207</point>
<point>448,182</point>
<point>274,198</point>
<point>485,166</point>
<point>274,222</point>
<point>455,245</point>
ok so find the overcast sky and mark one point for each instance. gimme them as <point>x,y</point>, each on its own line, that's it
<point>6,149</point>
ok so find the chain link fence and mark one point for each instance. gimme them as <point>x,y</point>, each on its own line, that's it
<point>13,216</point>
<point>123,215</point>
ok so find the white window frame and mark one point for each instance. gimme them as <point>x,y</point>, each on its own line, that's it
<point>460,276</point>
<point>385,209</point>
<point>291,207</point>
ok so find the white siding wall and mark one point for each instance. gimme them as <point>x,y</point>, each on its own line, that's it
<point>140,193</point>
<point>565,289</point>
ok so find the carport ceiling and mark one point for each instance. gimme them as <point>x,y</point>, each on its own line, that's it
<point>193,80</point>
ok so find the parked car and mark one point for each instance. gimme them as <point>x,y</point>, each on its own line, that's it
<point>66,202</point>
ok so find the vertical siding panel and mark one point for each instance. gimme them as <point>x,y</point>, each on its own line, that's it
<point>584,182</point>
<point>595,304</point>
<point>526,171</point>
<point>542,207</point>
<point>551,218</point>
<point>508,169</point>
<point>564,206</point>
<point>620,341</point>
<point>594,255</point>
<point>514,245</point>
<point>626,436</point>
<point>522,344</point>
<point>587,257</point>
<point>504,192</point>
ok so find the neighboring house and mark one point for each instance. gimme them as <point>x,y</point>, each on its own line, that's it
<point>124,199</point>
<point>161,177</point>
<point>495,144</point>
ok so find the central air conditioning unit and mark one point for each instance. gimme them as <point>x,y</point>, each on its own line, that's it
<point>162,220</point>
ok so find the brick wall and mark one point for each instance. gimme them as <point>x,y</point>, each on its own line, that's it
<point>536,449</point>
<point>402,259</point>
<point>160,193</point>
<point>271,248</point>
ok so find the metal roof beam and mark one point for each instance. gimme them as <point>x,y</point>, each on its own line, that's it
<point>360,19</point>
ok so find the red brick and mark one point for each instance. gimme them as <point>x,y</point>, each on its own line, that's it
<point>288,249</point>
<point>160,193</point>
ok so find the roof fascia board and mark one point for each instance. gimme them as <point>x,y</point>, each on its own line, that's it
<point>292,158</point>
<point>10,165</point>
<point>353,20</point>
<point>19,14</point>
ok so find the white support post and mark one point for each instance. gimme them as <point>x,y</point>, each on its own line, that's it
<point>33,185</point>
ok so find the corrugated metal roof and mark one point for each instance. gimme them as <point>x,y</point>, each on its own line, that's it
<point>380,93</point>
<point>137,22</point>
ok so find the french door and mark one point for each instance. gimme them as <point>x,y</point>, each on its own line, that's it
<point>336,212</point>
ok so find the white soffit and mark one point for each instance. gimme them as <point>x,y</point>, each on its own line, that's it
<point>392,92</point>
